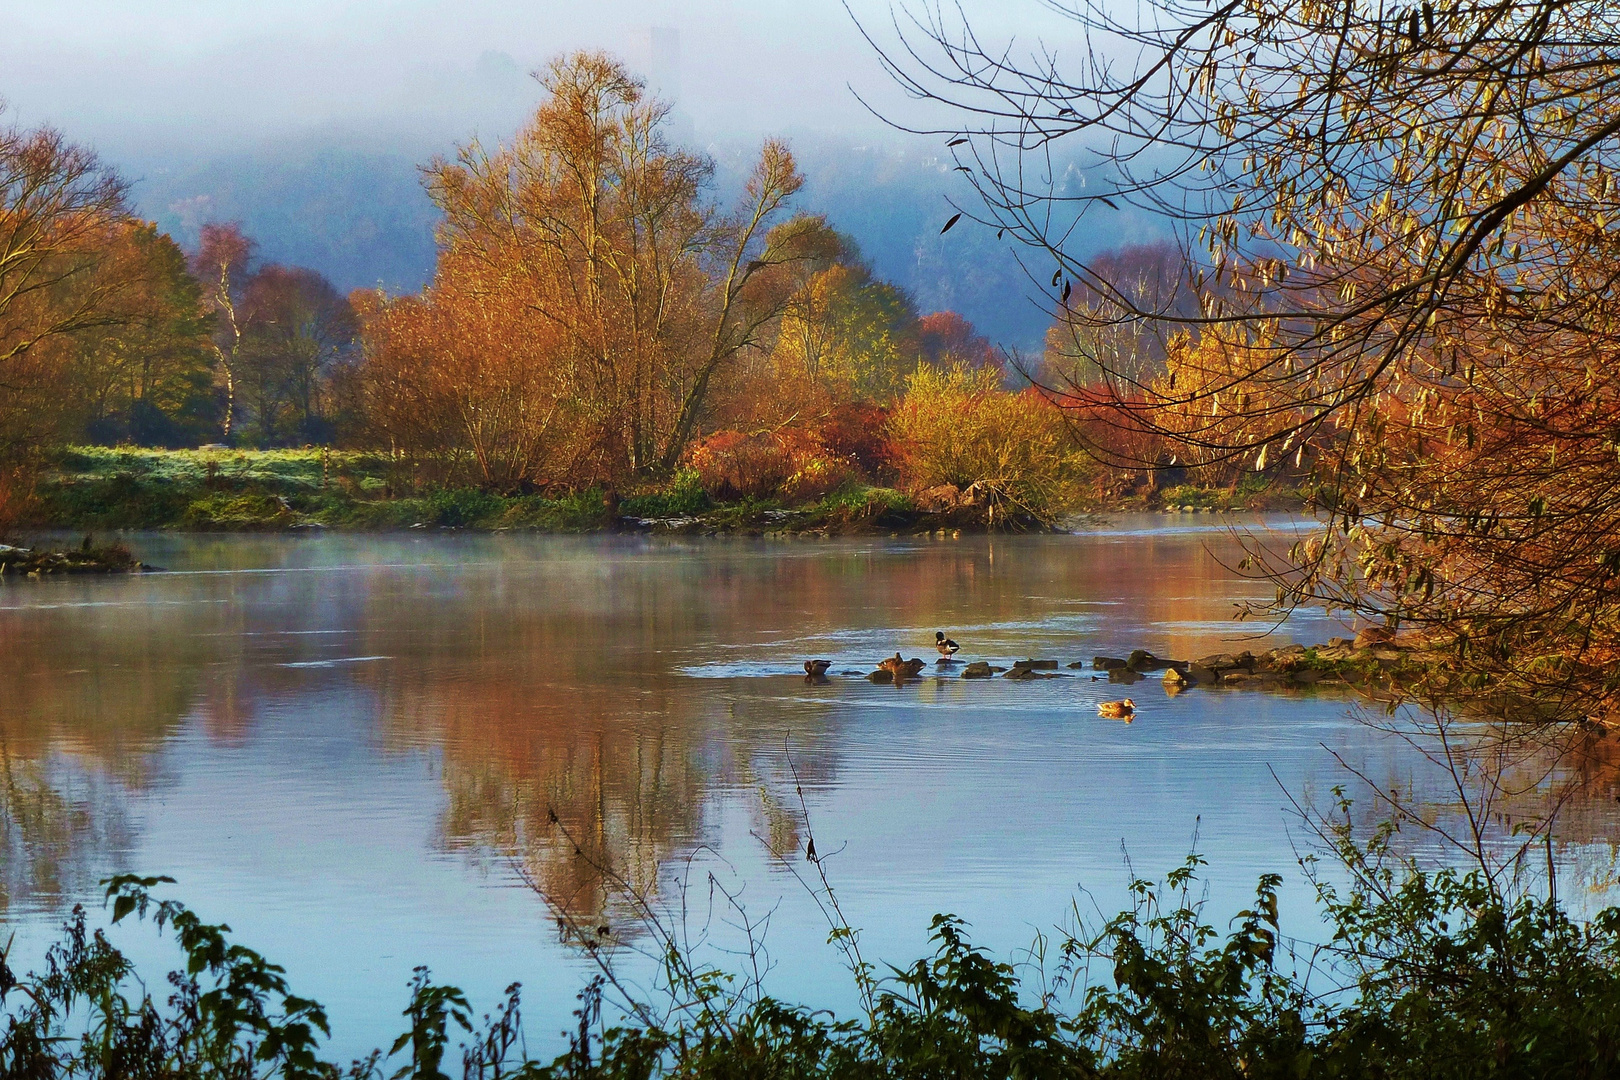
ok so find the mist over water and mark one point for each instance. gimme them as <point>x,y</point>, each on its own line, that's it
<point>348,747</point>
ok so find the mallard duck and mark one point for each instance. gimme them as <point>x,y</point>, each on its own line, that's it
<point>901,669</point>
<point>816,668</point>
<point>1116,710</point>
<point>946,646</point>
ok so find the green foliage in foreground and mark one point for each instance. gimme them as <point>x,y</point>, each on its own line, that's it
<point>1437,976</point>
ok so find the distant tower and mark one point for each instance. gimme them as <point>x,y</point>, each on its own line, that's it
<point>666,80</point>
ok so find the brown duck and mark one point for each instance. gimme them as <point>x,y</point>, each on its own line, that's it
<point>1117,710</point>
<point>901,669</point>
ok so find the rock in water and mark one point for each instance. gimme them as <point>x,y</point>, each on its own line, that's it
<point>1172,677</point>
<point>1107,663</point>
<point>979,669</point>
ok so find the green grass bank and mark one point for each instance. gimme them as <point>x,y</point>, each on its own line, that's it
<point>97,489</point>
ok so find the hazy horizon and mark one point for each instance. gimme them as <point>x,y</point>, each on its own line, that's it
<point>178,73</point>
<point>307,122</point>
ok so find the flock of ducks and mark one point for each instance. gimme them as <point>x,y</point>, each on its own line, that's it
<point>900,668</point>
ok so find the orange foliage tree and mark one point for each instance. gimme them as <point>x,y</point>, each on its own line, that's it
<point>589,294</point>
<point>61,214</point>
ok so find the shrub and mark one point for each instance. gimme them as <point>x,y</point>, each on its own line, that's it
<point>857,432</point>
<point>683,496</point>
<point>122,501</point>
<point>789,463</point>
<point>1432,975</point>
<point>1004,452</point>
<point>460,507</point>
<point>578,511</point>
<point>232,510</point>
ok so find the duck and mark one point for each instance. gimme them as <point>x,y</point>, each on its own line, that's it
<point>901,669</point>
<point>945,645</point>
<point>1117,710</point>
<point>816,668</point>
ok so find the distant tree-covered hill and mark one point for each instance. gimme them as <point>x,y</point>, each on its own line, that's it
<point>354,209</point>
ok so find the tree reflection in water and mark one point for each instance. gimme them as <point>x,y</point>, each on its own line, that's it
<point>58,827</point>
<point>551,675</point>
<point>633,795</point>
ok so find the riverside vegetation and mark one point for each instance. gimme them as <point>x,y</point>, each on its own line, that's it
<point>119,488</point>
<point>1402,301</point>
<point>600,326</point>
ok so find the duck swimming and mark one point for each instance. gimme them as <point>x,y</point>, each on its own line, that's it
<point>901,669</point>
<point>945,645</point>
<point>815,668</point>
<point>1117,710</point>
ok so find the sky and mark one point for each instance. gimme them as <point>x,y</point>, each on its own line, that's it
<point>227,73</point>
<point>306,120</point>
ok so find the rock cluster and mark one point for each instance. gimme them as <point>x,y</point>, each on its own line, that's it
<point>32,562</point>
<point>1363,658</point>
<point>1340,660</point>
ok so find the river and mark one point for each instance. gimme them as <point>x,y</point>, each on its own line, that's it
<point>350,747</point>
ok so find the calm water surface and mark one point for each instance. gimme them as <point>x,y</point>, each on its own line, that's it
<point>347,746</point>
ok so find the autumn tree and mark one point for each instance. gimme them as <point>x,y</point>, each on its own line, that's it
<point>463,374</point>
<point>279,334</point>
<point>55,201</point>
<point>221,265</point>
<point>1094,340</point>
<point>144,373</point>
<point>299,329</point>
<point>1403,219</point>
<point>57,205</point>
<point>946,338</point>
<point>850,329</point>
<point>601,238</point>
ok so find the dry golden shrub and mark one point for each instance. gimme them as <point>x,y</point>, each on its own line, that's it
<point>792,463</point>
<point>1007,452</point>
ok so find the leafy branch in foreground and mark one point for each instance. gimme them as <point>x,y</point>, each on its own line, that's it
<point>1399,220</point>
<point>231,1013</point>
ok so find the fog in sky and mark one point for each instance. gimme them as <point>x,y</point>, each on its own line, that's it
<point>221,73</point>
<point>306,119</point>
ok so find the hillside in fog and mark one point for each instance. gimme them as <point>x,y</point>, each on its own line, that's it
<point>354,209</point>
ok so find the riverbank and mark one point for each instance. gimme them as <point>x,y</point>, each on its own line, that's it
<point>214,490</point>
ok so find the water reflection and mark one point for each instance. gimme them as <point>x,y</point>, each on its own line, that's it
<point>417,709</point>
<point>58,825</point>
<point>553,677</point>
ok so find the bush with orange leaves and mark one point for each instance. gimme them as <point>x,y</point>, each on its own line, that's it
<point>1007,454</point>
<point>789,463</point>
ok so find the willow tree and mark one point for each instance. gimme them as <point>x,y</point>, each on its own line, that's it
<point>607,237</point>
<point>1402,220</point>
